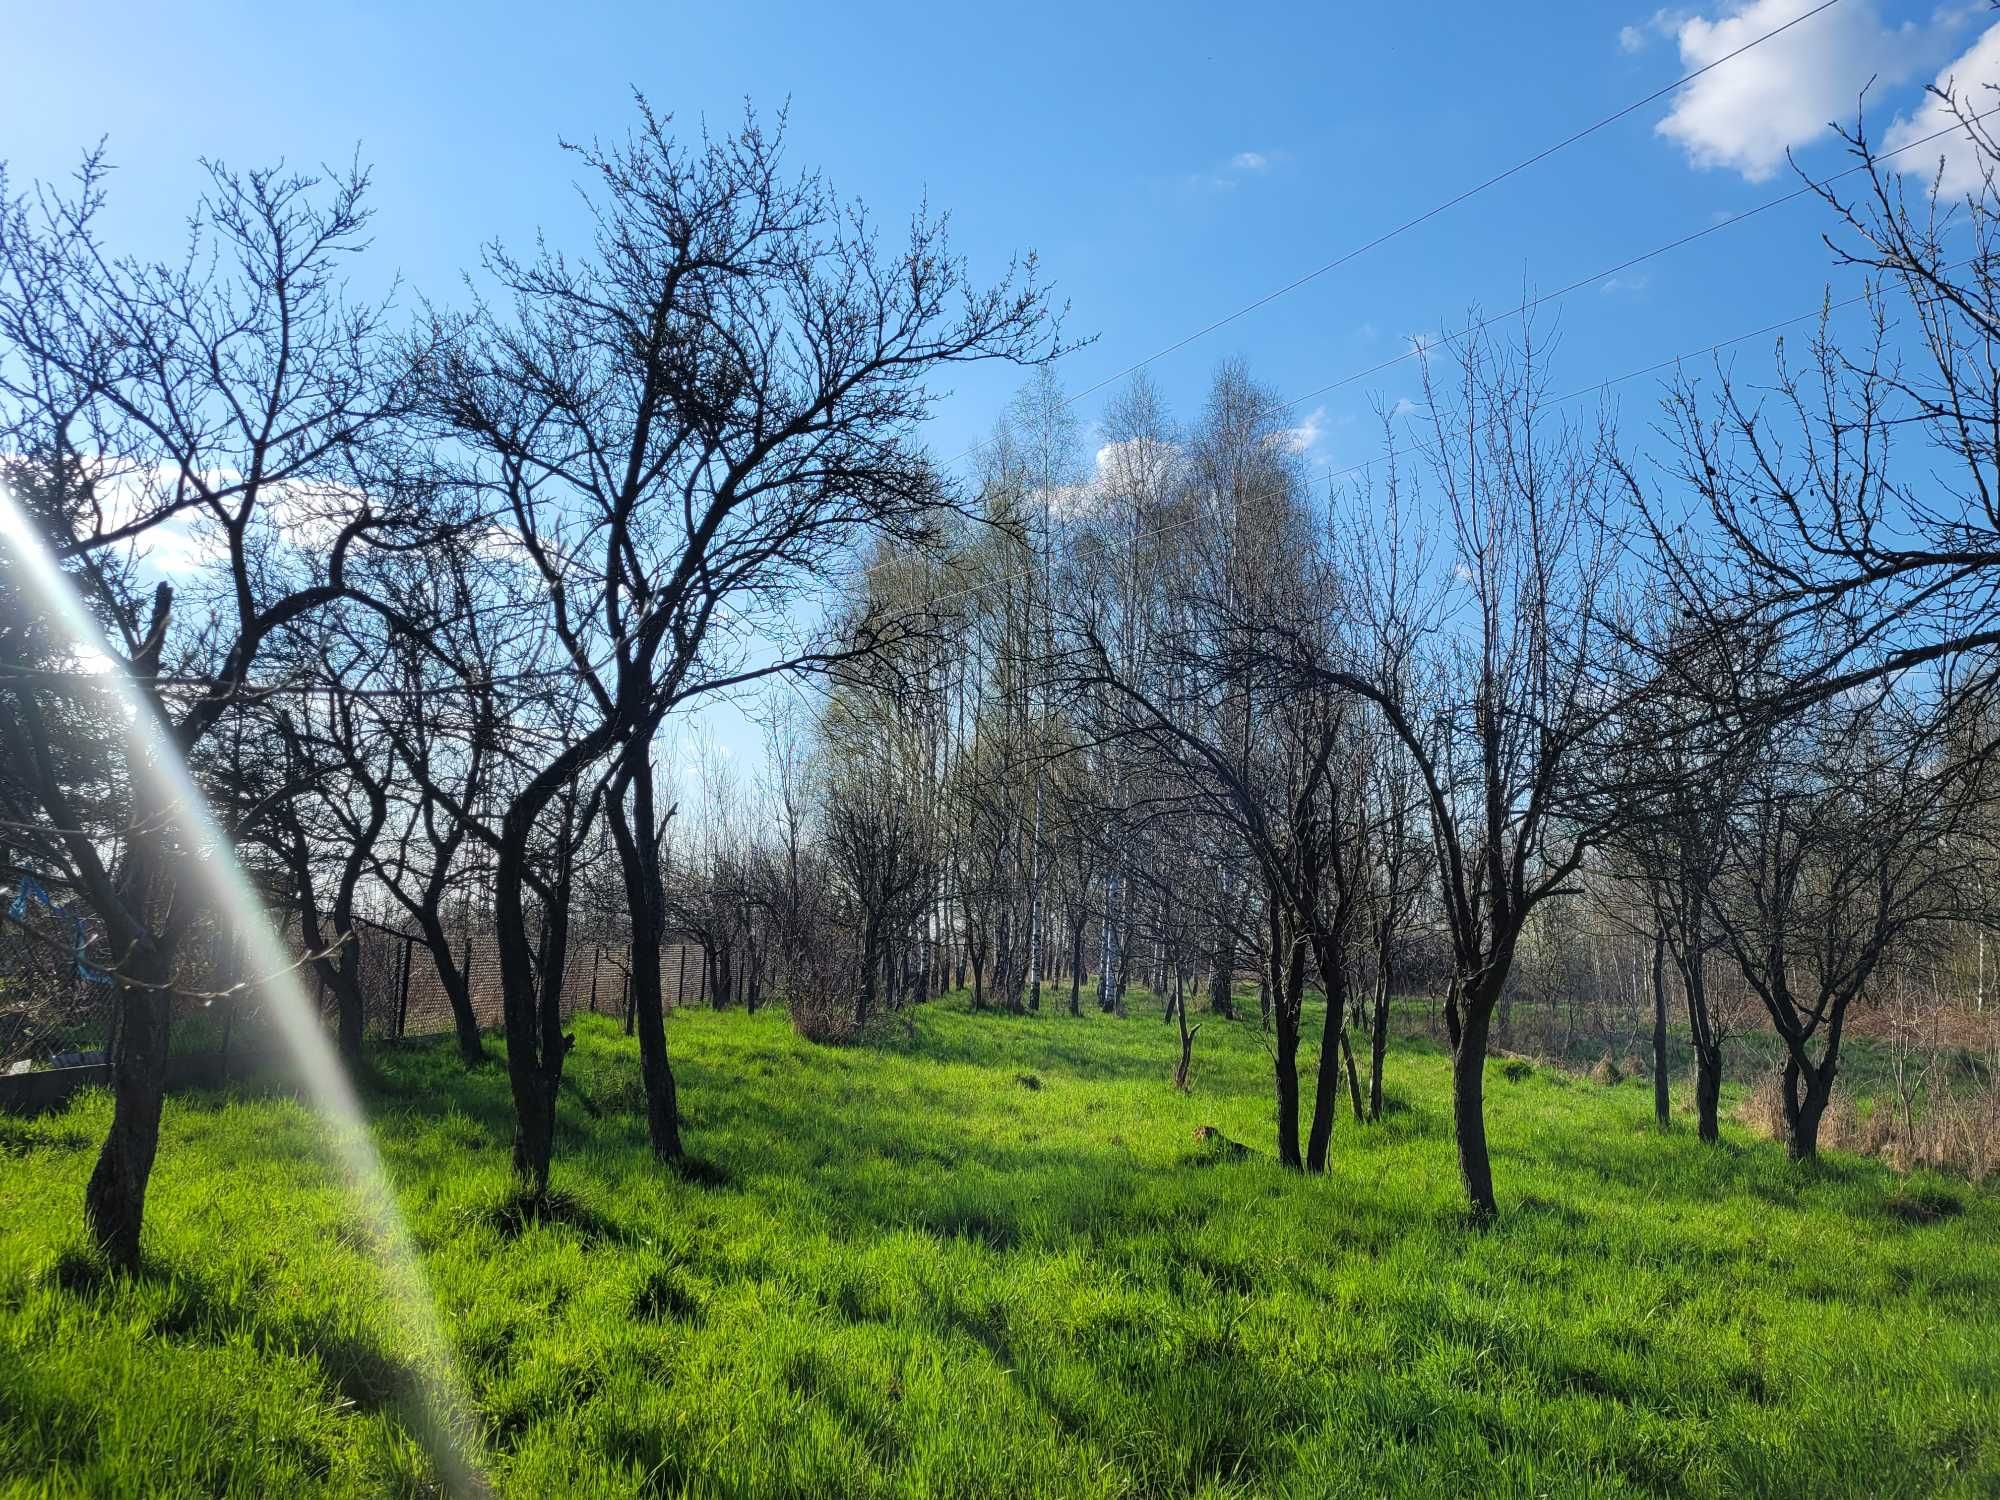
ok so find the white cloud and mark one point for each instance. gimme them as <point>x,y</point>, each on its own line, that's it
<point>1632,285</point>
<point>1404,407</point>
<point>186,543</point>
<point>1123,466</point>
<point>1746,114</point>
<point>1126,456</point>
<point>1970,80</point>
<point>1068,502</point>
<point>1301,438</point>
<point>1232,172</point>
<point>1662,23</point>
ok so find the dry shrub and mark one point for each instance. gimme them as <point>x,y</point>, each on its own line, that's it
<point>1763,1108</point>
<point>1845,1127</point>
<point>827,1020</point>
<point>1957,1133</point>
<point>1606,1072</point>
<point>1953,1132</point>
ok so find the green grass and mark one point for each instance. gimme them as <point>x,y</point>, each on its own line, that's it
<point>984,1256</point>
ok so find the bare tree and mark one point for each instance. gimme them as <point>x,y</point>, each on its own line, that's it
<point>1825,529</point>
<point>325,833</point>
<point>640,833</point>
<point>446,718</point>
<point>1841,856</point>
<point>1226,637</point>
<point>1399,875</point>
<point>234,403</point>
<point>677,429</point>
<point>1688,737</point>
<point>1485,661</point>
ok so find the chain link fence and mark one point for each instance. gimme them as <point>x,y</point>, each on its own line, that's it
<point>57,1007</point>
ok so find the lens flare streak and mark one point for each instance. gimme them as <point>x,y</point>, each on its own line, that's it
<point>448,1432</point>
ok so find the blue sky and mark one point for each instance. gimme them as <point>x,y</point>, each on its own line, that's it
<point>1169,162</point>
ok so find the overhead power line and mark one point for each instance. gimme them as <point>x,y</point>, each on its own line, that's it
<point>1542,299</point>
<point>1331,474</point>
<point>1464,196</point>
<point>1326,476</point>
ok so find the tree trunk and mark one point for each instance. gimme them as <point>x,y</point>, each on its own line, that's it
<point>1221,998</point>
<point>1468,1102</point>
<point>114,1202</point>
<point>1184,1072</point>
<point>645,901</point>
<point>864,999</point>
<point>1326,1092</point>
<point>457,991</point>
<point>333,962</point>
<point>1807,1090</point>
<point>348,1000</point>
<point>1003,960</point>
<point>1662,1102</point>
<point>1107,963</point>
<point>1285,1064</point>
<point>725,976</point>
<point>1326,1095</point>
<point>1285,1055</point>
<point>1707,1096</point>
<point>527,1080</point>
<point>1076,970</point>
<point>1353,1076</point>
<point>1707,1049</point>
<point>1035,902</point>
<point>536,1044</point>
<point>926,949</point>
<point>1378,1040</point>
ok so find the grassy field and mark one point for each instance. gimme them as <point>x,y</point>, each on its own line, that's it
<point>984,1256</point>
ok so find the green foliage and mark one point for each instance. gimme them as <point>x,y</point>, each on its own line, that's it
<point>904,1271</point>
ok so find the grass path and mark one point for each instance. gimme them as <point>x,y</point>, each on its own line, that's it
<point>985,1257</point>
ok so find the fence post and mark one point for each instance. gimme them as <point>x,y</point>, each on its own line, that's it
<point>681,975</point>
<point>232,1003</point>
<point>403,991</point>
<point>465,965</point>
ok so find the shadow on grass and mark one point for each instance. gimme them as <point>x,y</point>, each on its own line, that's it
<point>1051,1043</point>
<point>813,1118</point>
<point>523,1209</point>
<point>23,1137</point>
<point>701,1172</point>
<point>191,1309</point>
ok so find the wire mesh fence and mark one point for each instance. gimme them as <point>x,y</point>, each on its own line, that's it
<point>54,1010</point>
<point>58,1008</point>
